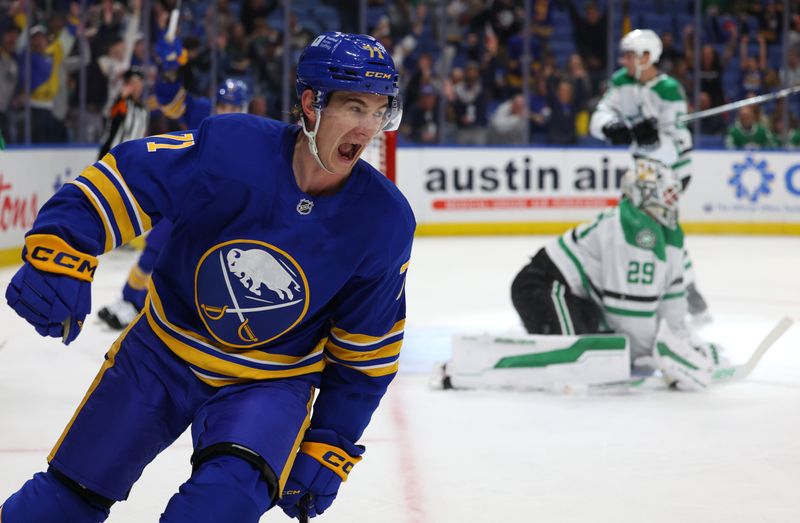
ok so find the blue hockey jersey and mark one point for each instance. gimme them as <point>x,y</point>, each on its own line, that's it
<point>258,280</point>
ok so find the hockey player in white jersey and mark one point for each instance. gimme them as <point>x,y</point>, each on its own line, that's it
<point>641,108</point>
<point>621,275</point>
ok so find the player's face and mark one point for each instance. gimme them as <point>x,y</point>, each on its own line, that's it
<point>628,61</point>
<point>349,122</point>
<point>136,87</point>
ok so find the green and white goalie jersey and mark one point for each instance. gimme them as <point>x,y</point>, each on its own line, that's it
<point>661,98</point>
<point>632,267</point>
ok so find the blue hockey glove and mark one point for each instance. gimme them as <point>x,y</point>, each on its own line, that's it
<point>171,55</point>
<point>324,461</point>
<point>52,290</point>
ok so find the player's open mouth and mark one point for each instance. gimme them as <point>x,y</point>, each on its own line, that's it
<point>349,151</point>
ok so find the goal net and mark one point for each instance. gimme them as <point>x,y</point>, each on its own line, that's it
<point>380,153</point>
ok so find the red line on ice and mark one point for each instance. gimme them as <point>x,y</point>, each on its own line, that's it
<point>407,458</point>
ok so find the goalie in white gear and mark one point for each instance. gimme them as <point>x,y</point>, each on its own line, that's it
<point>640,108</point>
<point>622,273</point>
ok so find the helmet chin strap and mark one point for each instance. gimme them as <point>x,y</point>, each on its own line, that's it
<point>640,68</point>
<point>312,139</point>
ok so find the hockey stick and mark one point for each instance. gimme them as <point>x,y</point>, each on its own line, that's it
<point>729,374</point>
<point>740,372</point>
<point>303,515</point>
<point>732,106</point>
<point>65,332</point>
<point>172,26</point>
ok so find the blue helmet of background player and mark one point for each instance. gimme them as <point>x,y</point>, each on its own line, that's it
<point>349,62</point>
<point>233,93</point>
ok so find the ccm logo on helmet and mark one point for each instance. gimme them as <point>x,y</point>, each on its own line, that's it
<point>378,75</point>
<point>338,461</point>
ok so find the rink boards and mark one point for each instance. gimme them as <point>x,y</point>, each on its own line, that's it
<point>507,190</point>
<point>491,190</point>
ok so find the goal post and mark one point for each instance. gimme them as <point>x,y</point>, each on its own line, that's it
<point>381,153</point>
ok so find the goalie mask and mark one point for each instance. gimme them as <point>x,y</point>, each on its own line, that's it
<point>655,189</point>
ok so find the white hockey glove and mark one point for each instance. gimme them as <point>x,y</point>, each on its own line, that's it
<point>685,365</point>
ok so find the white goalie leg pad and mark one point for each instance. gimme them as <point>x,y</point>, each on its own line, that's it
<point>537,361</point>
<point>685,366</point>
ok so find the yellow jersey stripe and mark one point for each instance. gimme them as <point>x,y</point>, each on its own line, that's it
<point>111,238</point>
<point>216,381</point>
<point>254,356</point>
<point>375,371</point>
<point>287,467</point>
<point>224,367</point>
<point>177,106</point>
<point>387,351</point>
<point>362,339</point>
<point>143,219</point>
<point>112,354</point>
<point>137,278</point>
<point>114,200</point>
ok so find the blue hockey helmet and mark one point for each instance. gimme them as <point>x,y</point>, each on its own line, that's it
<point>233,92</point>
<point>349,62</point>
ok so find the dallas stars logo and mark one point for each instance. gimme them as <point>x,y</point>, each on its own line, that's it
<point>751,179</point>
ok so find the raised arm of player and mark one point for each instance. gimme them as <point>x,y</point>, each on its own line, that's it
<point>112,201</point>
<point>122,195</point>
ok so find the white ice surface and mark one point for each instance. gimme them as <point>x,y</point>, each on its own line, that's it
<point>729,455</point>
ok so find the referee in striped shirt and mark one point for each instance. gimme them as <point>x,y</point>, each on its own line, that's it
<point>129,116</point>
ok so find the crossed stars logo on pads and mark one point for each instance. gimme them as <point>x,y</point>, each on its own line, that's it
<point>249,292</point>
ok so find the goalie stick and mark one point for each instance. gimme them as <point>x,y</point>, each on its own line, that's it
<point>740,372</point>
<point>726,374</point>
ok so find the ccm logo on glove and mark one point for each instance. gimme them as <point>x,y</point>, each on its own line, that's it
<point>52,254</point>
<point>332,457</point>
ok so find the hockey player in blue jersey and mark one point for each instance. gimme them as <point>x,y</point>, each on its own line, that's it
<point>178,104</point>
<point>232,97</point>
<point>284,275</point>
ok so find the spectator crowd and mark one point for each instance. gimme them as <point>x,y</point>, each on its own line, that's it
<point>461,61</point>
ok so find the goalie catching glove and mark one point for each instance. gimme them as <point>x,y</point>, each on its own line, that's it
<point>52,290</point>
<point>323,462</point>
<point>686,363</point>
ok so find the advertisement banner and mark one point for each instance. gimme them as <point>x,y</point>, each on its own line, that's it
<point>744,187</point>
<point>28,177</point>
<point>461,190</point>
